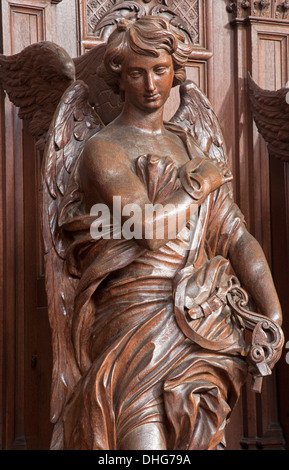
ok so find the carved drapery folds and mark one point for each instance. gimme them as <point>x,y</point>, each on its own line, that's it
<point>260,8</point>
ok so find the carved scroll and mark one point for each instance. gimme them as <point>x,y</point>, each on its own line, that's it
<point>267,338</point>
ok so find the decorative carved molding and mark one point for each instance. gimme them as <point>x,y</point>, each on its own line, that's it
<point>239,9</point>
<point>260,8</point>
<point>282,10</point>
<point>95,9</point>
<point>134,9</point>
<point>189,11</point>
<point>186,10</point>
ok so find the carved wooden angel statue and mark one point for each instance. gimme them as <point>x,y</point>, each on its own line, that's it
<point>148,324</point>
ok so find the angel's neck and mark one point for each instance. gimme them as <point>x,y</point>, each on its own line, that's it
<point>148,123</point>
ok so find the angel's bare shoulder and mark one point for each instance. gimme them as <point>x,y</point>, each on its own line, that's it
<point>102,151</point>
<point>104,164</point>
<point>106,170</point>
<point>104,139</point>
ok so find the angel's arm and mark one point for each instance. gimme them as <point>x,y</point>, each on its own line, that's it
<point>228,237</point>
<point>106,172</point>
<point>250,265</point>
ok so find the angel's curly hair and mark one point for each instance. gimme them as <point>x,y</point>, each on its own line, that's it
<point>144,36</point>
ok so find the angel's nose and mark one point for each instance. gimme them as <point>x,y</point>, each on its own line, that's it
<point>150,82</point>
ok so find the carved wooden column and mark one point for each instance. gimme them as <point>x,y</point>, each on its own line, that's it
<point>261,37</point>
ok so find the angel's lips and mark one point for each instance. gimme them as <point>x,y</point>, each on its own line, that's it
<point>154,97</point>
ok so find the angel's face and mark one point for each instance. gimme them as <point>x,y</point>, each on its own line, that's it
<point>147,81</point>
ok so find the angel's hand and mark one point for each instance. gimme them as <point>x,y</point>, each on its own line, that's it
<point>200,178</point>
<point>214,174</point>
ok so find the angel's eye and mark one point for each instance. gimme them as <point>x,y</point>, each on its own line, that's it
<point>135,74</point>
<point>160,70</point>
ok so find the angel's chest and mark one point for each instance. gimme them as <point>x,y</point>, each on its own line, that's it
<point>159,147</point>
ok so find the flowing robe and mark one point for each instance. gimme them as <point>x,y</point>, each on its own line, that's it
<point>142,358</point>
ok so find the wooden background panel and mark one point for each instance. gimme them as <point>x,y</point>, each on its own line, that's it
<point>27,25</point>
<point>2,255</point>
<point>26,351</point>
<point>272,61</point>
<point>270,69</point>
<point>279,173</point>
<point>221,75</point>
<point>198,72</point>
<point>38,352</point>
<point>20,26</point>
<point>260,46</point>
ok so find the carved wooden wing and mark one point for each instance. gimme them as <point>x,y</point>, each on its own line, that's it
<point>35,80</point>
<point>73,123</point>
<point>40,80</point>
<point>196,115</point>
<point>271,114</point>
<point>106,103</point>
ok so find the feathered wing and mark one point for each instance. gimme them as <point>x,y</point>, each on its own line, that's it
<point>271,113</point>
<point>106,103</point>
<point>73,123</point>
<point>35,80</point>
<point>40,80</point>
<point>196,115</point>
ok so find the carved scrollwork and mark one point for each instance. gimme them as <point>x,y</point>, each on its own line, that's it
<point>284,6</point>
<point>233,6</point>
<point>262,4</point>
<point>267,337</point>
<point>181,13</point>
<point>258,8</point>
<point>282,10</point>
<point>136,9</point>
<point>245,4</point>
<point>239,8</point>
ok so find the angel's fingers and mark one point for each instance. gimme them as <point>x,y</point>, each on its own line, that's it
<point>226,173</point>
<point>228,176</point>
